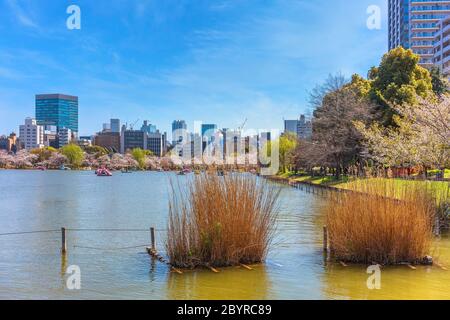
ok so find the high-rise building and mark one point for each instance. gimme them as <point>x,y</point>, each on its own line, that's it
<point>9,144</point>
<point>4,143</point>
<point>178,126</point>
<point>110,137</point>
<point>208,134</point>
<point>194,147</point>
<point>398,23</point>
<point>115,125</point>
<point>208,129</point>
<point>156,143</point>
<point>304,129</point>
<point>31,134</point>
<point>132,139</point>
<point>148,127</point>
<point>51,138</point>
<point>301,128</point>
<point>413,25</point>
<point>290,126</point>
<point>107,127</point>
<point>64,137</point>
<point>108,140</point>
<point>442,47</point>
<point>179,136</point>
<point>58,110</point>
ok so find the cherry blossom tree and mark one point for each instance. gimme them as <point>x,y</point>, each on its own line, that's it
<point>23,159</point>
<point>6,160</point>
<point>90,160</point>
<point>166,163</point>
<point>56,160</point>
<point>421,136</point>
<point>104,161</point>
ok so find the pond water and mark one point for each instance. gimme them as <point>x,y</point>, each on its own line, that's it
<point>114,264</point>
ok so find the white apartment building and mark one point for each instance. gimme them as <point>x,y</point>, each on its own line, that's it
<point>413,24</point>
<point>442,47</point>
<point>64,137</point>
<point>31,135</point>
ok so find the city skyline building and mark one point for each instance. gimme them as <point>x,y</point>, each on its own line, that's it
<point>51,138</point>
<point>179,136</point>
<point>178,126</point>
<point>9,143</point>
<point>441,58</point>
<point>290,126</point>
<point>64,137</point>
<point>156,142</point>
<point>304,129</point>
<point>58,110</point>
<point>208,129</point>
<point>131,139</point>
<point>413,24</point>
<point>208,133</point>
<point>115,125</point>
<point>108,140</point>
<point>31,135</point>
<point>398,20</point>
<point>148,127</point>
<point>301,128</point>
<point>106,127</point>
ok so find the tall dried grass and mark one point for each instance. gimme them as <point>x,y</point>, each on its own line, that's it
<point>370,226</point>
<point>221,221</point>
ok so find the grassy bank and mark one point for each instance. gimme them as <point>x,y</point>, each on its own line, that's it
<point>395,188</point>
<point>381,186</point>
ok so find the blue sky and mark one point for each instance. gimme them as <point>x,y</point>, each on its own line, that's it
<point>215,61</point>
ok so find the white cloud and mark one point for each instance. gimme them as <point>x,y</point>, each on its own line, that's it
<point>23,17</point>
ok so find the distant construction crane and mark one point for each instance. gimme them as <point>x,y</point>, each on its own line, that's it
<point>132,125</point>
<point>243,125</point>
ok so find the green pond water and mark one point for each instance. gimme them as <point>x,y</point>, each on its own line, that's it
<point>31,266</point>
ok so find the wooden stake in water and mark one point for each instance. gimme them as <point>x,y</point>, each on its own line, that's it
<point>63,241</point>
<point>152,237</point>
<point>325,239</point>
<point>437,227</point>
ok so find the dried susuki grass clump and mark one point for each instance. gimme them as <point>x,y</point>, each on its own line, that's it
<point>368,227</point>
<point>221,221</point>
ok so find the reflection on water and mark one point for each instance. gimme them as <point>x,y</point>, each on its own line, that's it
<point>399,282</point>
<point>32,267</point>
<point>237,283</point>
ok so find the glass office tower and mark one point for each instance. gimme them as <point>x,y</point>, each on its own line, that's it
<point>57,110</point>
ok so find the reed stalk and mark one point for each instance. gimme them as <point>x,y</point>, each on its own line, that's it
<point>381,224</point>
<point>221,221</point>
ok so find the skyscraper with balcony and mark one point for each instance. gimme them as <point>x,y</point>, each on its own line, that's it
<point>398,23</point>
<point>442,47</point>
<point>413,24</point>
<point>58,110</point>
